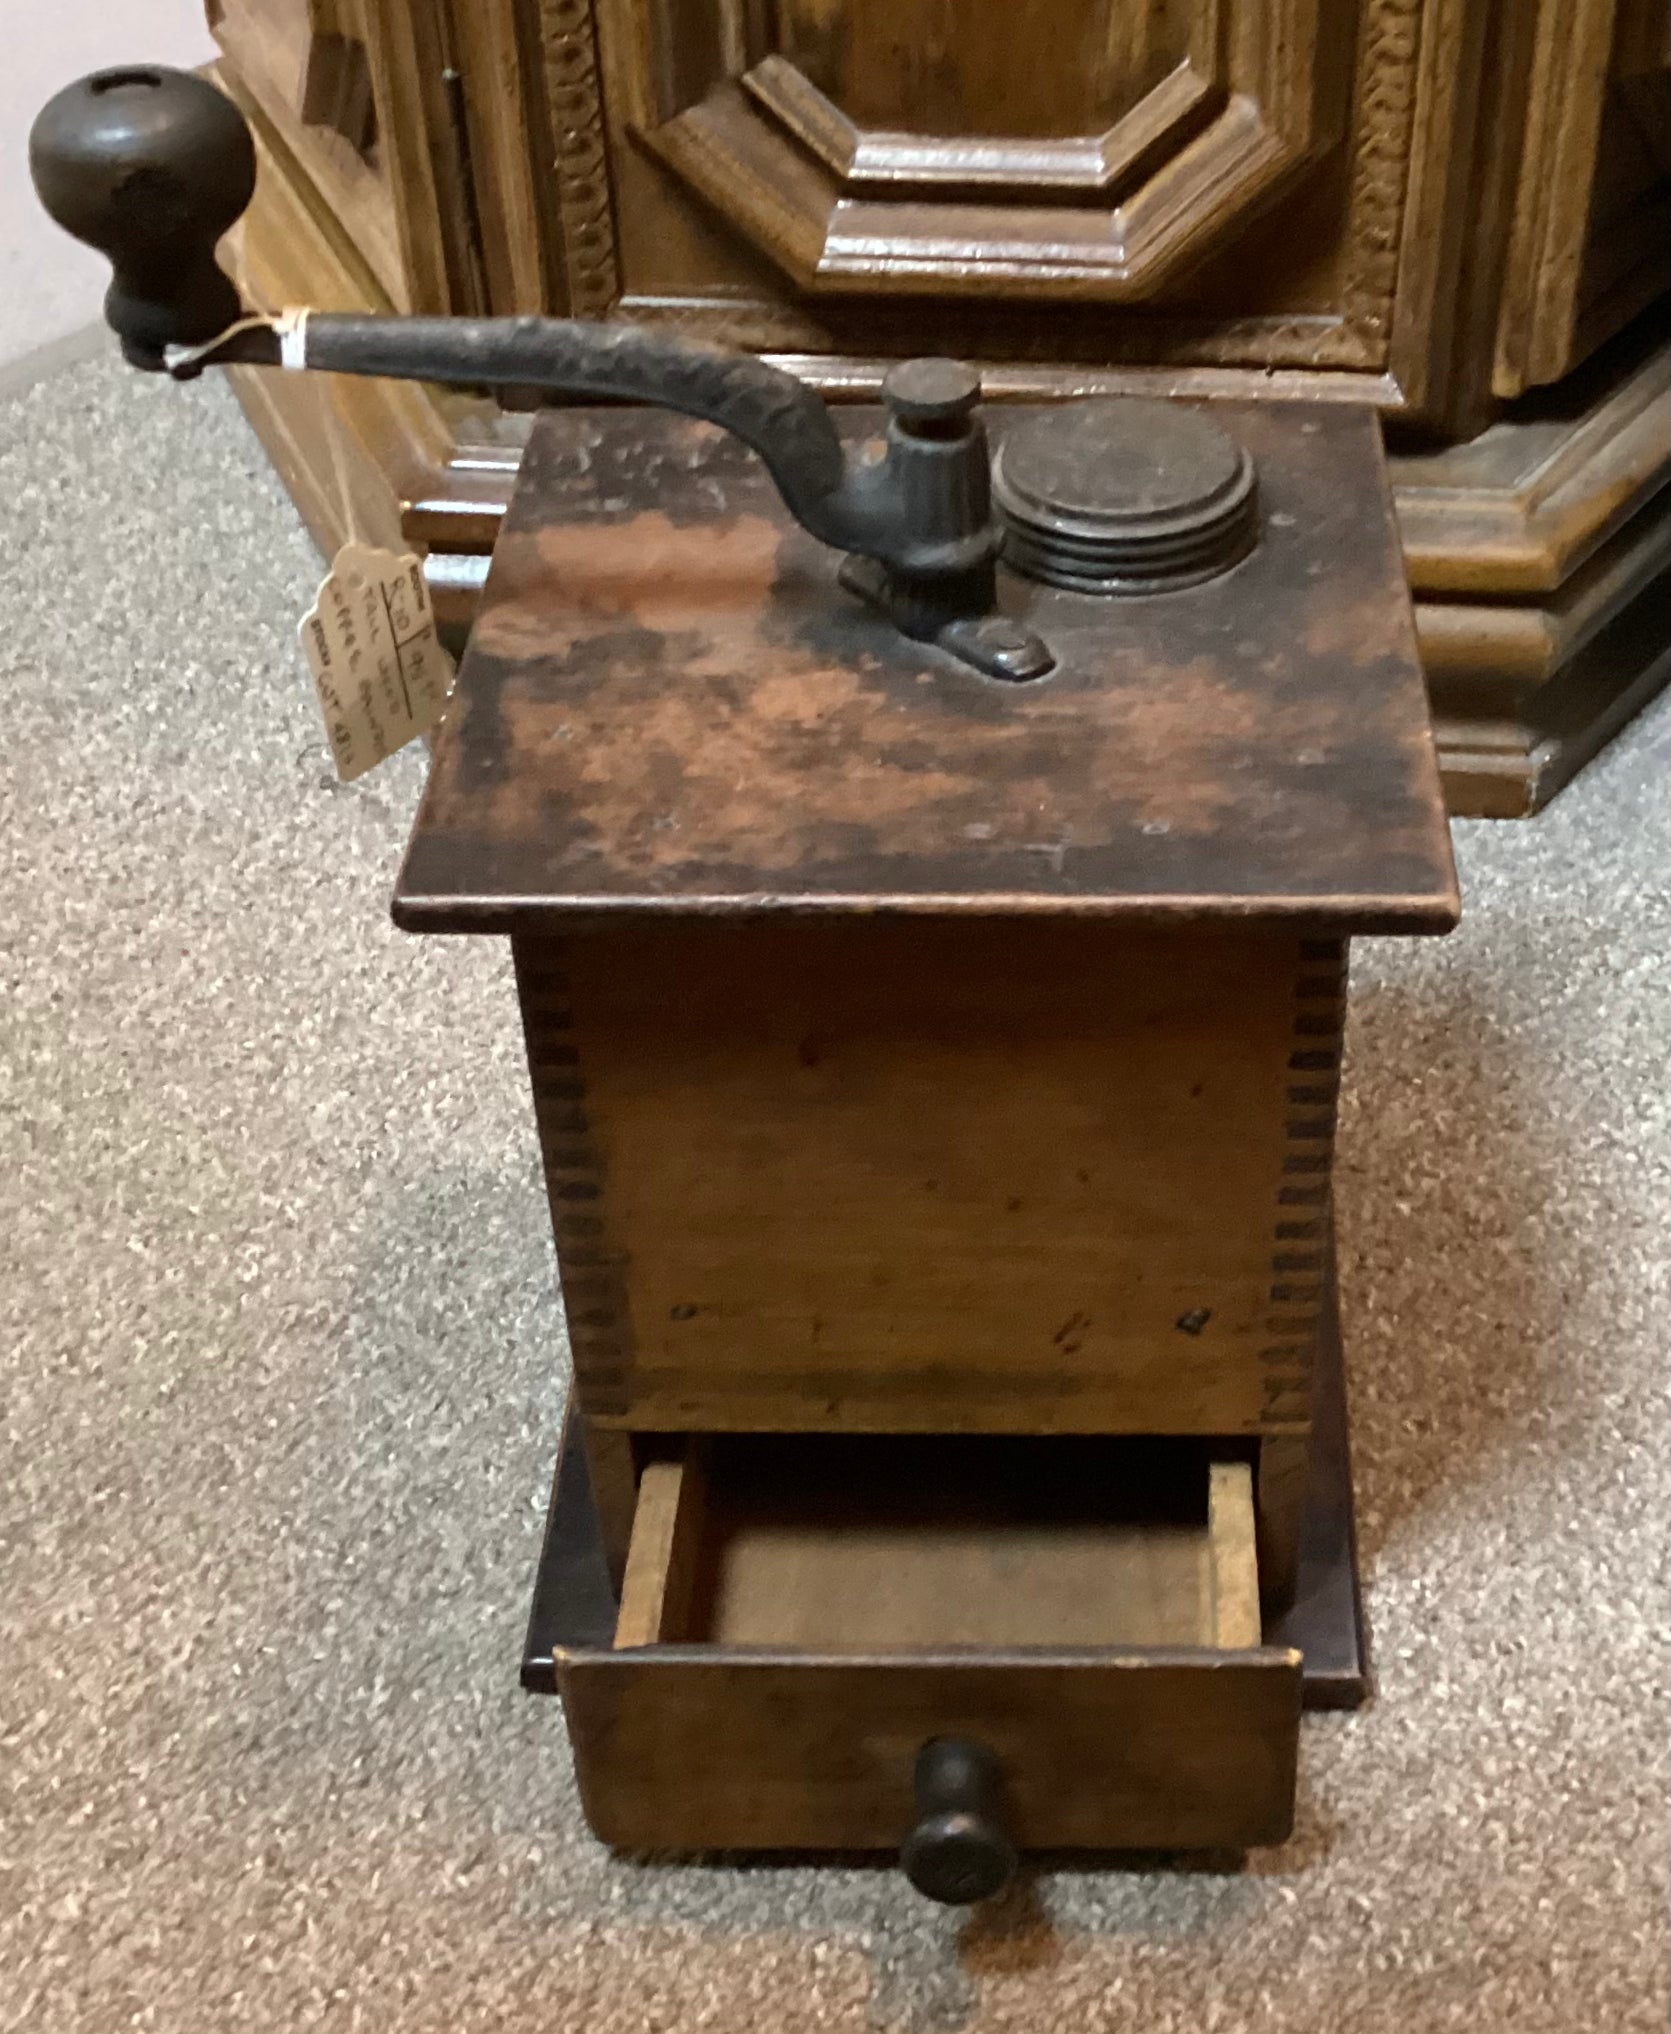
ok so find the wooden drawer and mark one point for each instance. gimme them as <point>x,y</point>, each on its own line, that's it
<point>801,1614</point>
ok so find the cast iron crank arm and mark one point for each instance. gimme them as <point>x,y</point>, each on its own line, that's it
<point>846,503</point>
<point>152,166</point>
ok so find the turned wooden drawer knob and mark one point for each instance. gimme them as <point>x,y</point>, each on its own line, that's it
<point>959,1850</point>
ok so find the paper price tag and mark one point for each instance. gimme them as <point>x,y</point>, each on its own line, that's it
<point>377,663</point>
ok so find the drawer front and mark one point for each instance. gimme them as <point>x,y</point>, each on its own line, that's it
<point>686,1748</point>
<point>800,1615</point>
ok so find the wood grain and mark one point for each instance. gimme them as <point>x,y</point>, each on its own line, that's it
<point>668,1525</point>
<point>891,1177</point>
<point>1517,509</point>
<point>698,1747</point>
<point>495,54</point>
<point>1591,240</point>
<point>1234,1556</point>
<point>1229,136</point>
<point>796,754</point>
<point>1176,98</point>
<point>352,452</point>
<point>575,1606</point>
<point>268,45</point>
<point>1487,658</point>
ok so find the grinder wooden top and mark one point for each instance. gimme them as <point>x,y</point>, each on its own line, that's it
<point>668,705</point>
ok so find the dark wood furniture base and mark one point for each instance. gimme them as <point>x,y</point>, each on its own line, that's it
<point>575,1603</point>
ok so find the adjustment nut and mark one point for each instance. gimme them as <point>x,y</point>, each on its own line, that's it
<point>930,391</point>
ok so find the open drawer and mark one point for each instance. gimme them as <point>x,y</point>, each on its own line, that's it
<point>802,1614</point>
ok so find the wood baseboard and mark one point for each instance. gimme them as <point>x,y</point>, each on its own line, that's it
<point>1539,555</point>
<point>1510,766</point>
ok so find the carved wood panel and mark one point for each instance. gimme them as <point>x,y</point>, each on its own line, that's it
<point>952,146</point>
<point>1202,184</point>
<point>1592,226</point>
<point>956,69</point>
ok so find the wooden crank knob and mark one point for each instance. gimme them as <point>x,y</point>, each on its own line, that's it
<point>150,166</point>
<point>959,1851</point>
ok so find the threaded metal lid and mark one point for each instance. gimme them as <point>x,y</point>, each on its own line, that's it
<point>1121,495</point>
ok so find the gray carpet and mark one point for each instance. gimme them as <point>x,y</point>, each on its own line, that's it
<point>283,1370</point>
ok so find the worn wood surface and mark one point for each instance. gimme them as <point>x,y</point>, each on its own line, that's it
<point>878,1174</point>
<point>701,1747</point>
<point>1501,537</point>
<point>669,1521</point>
<point>1233,1556</point>
<point>669,705</point>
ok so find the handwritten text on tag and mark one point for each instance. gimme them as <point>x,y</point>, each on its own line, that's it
<point>370,642</point>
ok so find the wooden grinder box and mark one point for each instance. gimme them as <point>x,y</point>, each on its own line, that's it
<point>936,1080</point>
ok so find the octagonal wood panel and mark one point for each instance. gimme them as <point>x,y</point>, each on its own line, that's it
<point>1043,148</point>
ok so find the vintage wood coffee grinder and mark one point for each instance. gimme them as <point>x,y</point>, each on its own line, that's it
<point>929,840</point>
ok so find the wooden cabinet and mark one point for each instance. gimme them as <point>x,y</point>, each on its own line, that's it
<point>1451,208</point>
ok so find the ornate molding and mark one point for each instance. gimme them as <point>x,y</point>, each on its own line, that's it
<point>1385,102</point>
<point>848,212</point>
<point>584,204</point>
<point>1354,337</point>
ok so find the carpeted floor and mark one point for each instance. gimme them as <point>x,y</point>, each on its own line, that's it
<point>283,1369</point>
